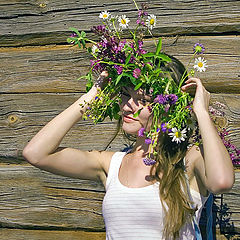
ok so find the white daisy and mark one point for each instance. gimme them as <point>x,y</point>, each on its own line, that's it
<point>123,21</point>
<point>94,49</point>
<point>200,64</point>
<point>104,15</point>
<point>178,135</point>
<point>151,21</point>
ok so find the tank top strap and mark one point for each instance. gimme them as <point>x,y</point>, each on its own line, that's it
<point>114,167</point>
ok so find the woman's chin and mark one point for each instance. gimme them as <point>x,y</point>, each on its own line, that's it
<point>129,129</point>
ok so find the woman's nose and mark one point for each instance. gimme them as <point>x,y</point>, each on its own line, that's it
<point>128,104</point>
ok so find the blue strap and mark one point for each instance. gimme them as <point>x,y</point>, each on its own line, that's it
<point>209,205</point>
<point>197,231</point>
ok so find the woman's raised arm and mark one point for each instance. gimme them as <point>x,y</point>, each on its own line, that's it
<point>43,150</point>
<point>215,167</point>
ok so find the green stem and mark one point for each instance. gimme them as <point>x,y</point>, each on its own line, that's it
<point>184,76</point>
<point>116,30</point>
<point>136,5</point>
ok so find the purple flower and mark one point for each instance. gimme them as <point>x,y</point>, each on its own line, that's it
<point>142,13</point>
<point>172,98</point>
<point>148,141</point>
<point>73,35</point>
<point>141,132</point>
<point>99,30</point>
<point>118,68</point>
<point>140,49</point>
<point>149,161</point>
<point>164,127</point>
<point>161,99</point>
<point>136,72</point>
<point>238,152</point>
<point>198,48</point>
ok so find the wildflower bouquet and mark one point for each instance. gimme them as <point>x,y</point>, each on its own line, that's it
<point>129,64</point>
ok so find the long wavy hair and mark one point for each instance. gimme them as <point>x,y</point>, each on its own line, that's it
<point>169,171</point>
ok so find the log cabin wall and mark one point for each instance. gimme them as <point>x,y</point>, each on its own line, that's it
<point>38,79</point>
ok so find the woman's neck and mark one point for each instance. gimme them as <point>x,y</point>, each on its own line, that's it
<point>140,149</point>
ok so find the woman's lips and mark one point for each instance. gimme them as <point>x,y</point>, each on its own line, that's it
<point>128,119</point>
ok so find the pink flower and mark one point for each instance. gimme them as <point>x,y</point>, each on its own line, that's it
<point>136,72</point>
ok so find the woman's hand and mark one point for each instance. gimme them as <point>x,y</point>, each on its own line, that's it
<point>202,96</point>
<point>101,80</point>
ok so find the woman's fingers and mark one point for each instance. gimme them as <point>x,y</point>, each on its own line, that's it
<point>101,79</point>
<point>186,86</point>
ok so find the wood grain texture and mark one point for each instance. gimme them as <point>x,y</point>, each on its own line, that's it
<point>57,68</point>
<point>23,115</point>
<point>47,22</point>
<point>21,234</point>
<point>33,199</point>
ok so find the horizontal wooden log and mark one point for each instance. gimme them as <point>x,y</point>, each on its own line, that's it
<point>57,68</point>
<point>34,199</point>
<point>21,234</point>
<point>41,23</point>
<point>23,115</point>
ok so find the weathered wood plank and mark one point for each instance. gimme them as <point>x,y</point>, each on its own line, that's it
<point>56,68</point>
<point>21,234</point>
<point>23,115</point>
<point>34,199</point>
<point>39,23</point>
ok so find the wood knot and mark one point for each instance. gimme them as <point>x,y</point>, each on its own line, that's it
<point>42,5</point>
<point>12,118</point>
<point>220,122</point>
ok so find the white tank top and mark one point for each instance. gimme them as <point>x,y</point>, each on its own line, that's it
<point>137,213</point>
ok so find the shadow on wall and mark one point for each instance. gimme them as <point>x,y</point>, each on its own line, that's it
<point>222,219</point>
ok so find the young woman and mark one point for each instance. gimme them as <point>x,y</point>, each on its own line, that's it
<point>141,201</point>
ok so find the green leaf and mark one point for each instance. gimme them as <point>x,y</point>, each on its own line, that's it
<point>83,34</point>
<point>128,59</point>
<point>164,57</point>
<point>109,112</point>
<point>148,55</point>
<point>118,79</point>
<point>79,44</point>
<point>159,46</point>
<point>75,30</point>
<point>138,86</point>
<point>146,78</point>
<point>83,43</point>
<point>137,113</point>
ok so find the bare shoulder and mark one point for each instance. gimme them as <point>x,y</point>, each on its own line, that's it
<point>105,159</point>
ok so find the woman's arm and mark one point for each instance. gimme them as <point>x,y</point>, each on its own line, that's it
<point>215,167</point>
<point>43,150</point>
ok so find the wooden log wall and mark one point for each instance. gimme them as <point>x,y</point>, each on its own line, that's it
<point>38,79</point>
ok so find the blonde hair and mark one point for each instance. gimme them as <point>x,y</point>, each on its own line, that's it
<point>169,171</point>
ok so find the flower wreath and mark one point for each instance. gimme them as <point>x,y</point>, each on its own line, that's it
<point>128,63</point>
